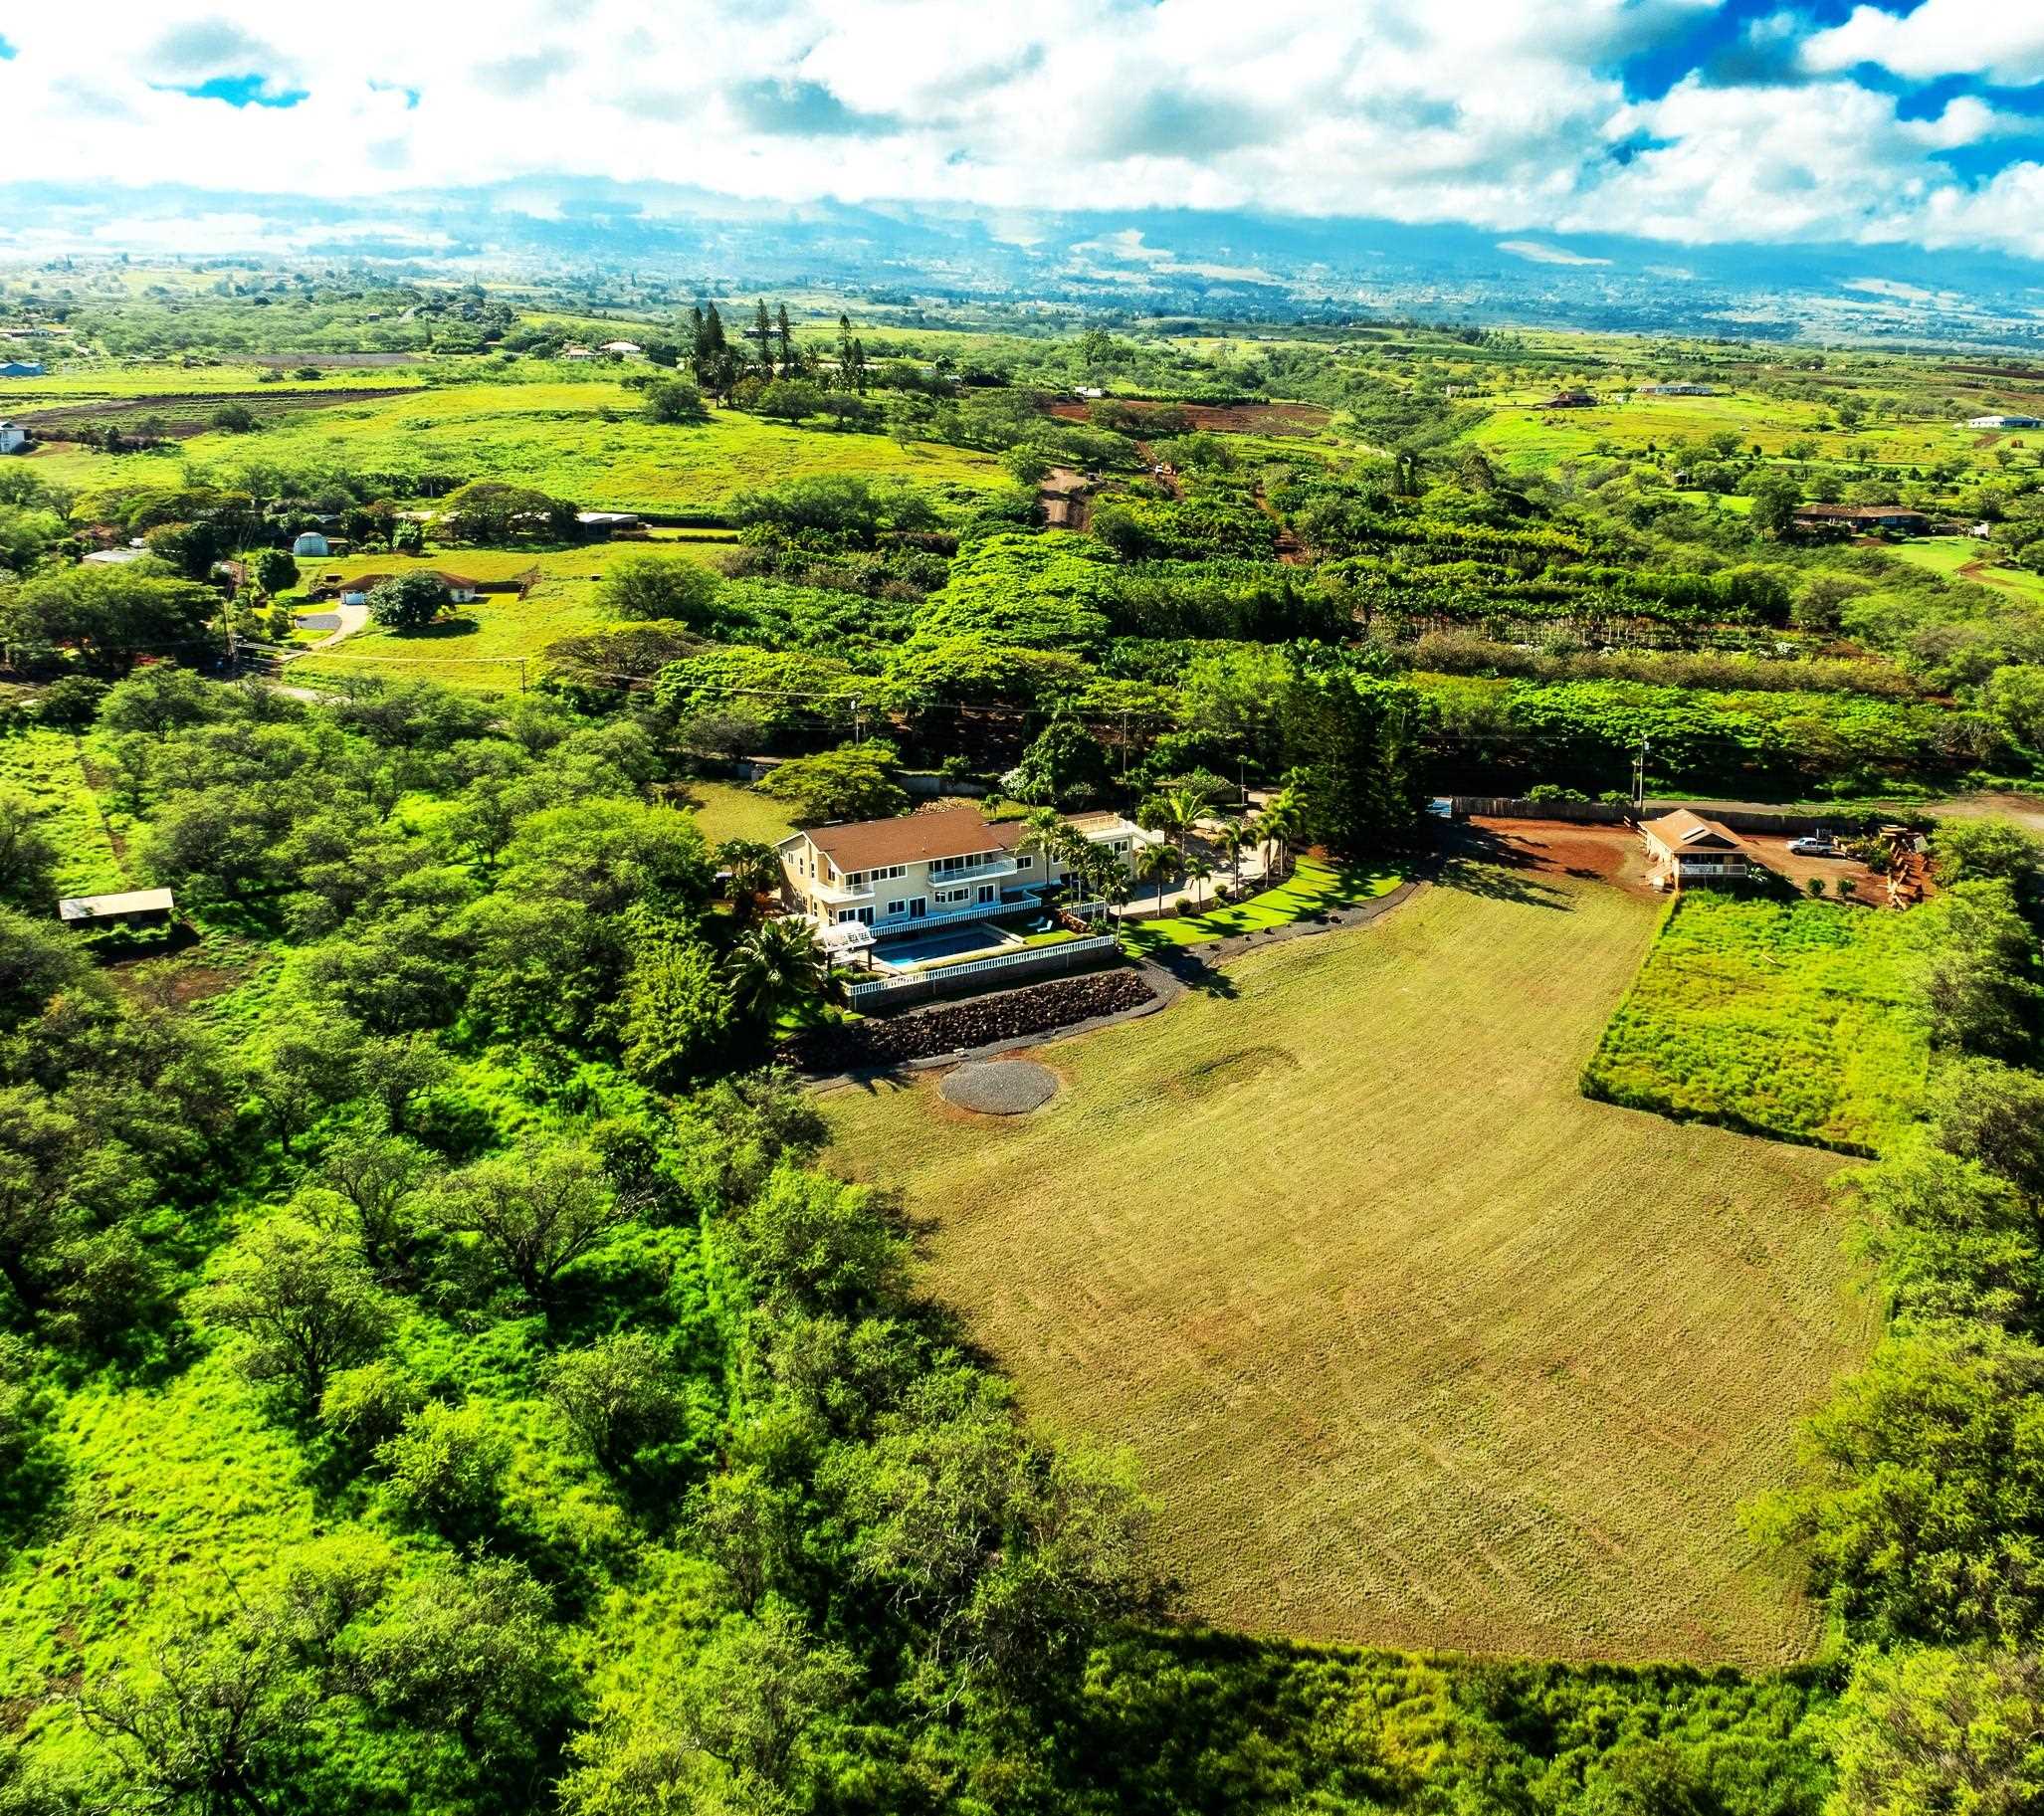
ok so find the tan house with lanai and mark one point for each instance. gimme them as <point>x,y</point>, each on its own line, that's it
<point>1685,849</point>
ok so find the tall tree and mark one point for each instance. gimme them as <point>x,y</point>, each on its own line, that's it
<point>763,332</point>
<point>784,336</point>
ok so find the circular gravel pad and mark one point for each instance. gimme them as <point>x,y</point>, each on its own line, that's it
<point>999,1087</point>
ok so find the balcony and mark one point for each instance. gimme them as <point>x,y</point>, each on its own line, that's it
<point>839,895</point>
<point>997,864</point>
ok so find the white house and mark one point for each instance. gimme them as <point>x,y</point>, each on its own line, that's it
<point>624,349</point>
<point>2005,422</point>
<point>578,354</point>
<point>1677,388</point>
<point>864,879</point>
<point>13,438</point>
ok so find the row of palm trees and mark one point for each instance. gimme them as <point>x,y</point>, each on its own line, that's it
<point>1182,812</point>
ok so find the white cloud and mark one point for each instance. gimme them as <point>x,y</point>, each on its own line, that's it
<point>2000,40</point>
<point>1545,255</point>
<point>1304,106</point>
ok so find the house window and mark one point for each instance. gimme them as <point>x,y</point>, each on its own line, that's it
<point>1025,862</point>
<point>896,908</point>
<point>945,897</point>
<point>861,915</point>
<point>988,892</point>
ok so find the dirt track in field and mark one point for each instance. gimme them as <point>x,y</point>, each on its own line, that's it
<point>1237,419</point>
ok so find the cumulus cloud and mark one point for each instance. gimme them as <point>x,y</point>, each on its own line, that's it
<point>1301,107</point>
<point>1994,39</point>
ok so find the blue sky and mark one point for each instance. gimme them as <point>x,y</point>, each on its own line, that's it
<point>1911,122</point>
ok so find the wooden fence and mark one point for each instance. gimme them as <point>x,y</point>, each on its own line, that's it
<point>1603,813</point>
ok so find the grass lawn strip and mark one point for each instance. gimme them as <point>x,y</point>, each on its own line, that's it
<point>1313,887</point>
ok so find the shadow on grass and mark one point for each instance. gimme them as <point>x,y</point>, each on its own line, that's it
<point>1477,862</point>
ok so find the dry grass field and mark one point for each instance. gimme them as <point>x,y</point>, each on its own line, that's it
<point>1414,1346</point>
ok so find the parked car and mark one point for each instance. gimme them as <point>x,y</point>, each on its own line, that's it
<point>1817,845</point>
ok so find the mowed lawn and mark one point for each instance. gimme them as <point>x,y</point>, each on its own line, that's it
<point>1415,1345</point>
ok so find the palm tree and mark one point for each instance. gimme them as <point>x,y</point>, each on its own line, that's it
<point>754,869</point>
<point>1047,834</point>
<point>1179,811</point>
<point>1280,822</point>
<point>775,965</point>
<point>1155,863</point>
<point>1197,871</point>
<point>1229,841</point>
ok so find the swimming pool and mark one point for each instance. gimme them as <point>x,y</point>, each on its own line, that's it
<point>945,942</point>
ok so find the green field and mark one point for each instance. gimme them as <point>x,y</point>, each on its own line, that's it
<point>556,437</point>
<point>1526,438</point>
<point>1417,1345</point>
<point>48,767</point>
<point>1964,558</point>
<point>480,646</point>
<point>726,810</point>
<point>1786,1018</point>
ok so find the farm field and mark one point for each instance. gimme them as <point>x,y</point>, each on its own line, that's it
<point>479,645</point>
<point>555,436</point>
<point>71,382</point>
<point>1785,1018</point>
<point>48,767</point>
<point>1527,438</point>
<point>1415,1345</point>
<point>1964,558</point>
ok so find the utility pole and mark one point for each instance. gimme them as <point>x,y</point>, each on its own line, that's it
<point>1639,780</point>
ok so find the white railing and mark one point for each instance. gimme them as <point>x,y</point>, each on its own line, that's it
<point>921,981</point>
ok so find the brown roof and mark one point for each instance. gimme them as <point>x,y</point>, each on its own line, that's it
<point>953,832</point>
<point>1683,831</point>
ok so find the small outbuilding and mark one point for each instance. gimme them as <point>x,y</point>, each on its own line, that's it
<point>13,438</point>
<point>21,368</point>
<point>134,908</point>
<point>312,544</point>
<point>1685,849</point>
<point>624,349</point>
<point>1567,400</point>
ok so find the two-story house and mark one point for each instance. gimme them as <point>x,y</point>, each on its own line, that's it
<point>924,870</point>
<point>928,870</point>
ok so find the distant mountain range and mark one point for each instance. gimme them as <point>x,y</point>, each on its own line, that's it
<point>1246,266</point>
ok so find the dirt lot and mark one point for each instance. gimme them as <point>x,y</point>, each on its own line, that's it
<point>1614,854</point>
<point>1238,419</point>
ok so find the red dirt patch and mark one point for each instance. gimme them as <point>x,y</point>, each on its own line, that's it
<point>1224,419</point>
<point>1562,848</point>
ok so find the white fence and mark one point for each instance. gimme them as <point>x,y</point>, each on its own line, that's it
<point>944,979</point>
